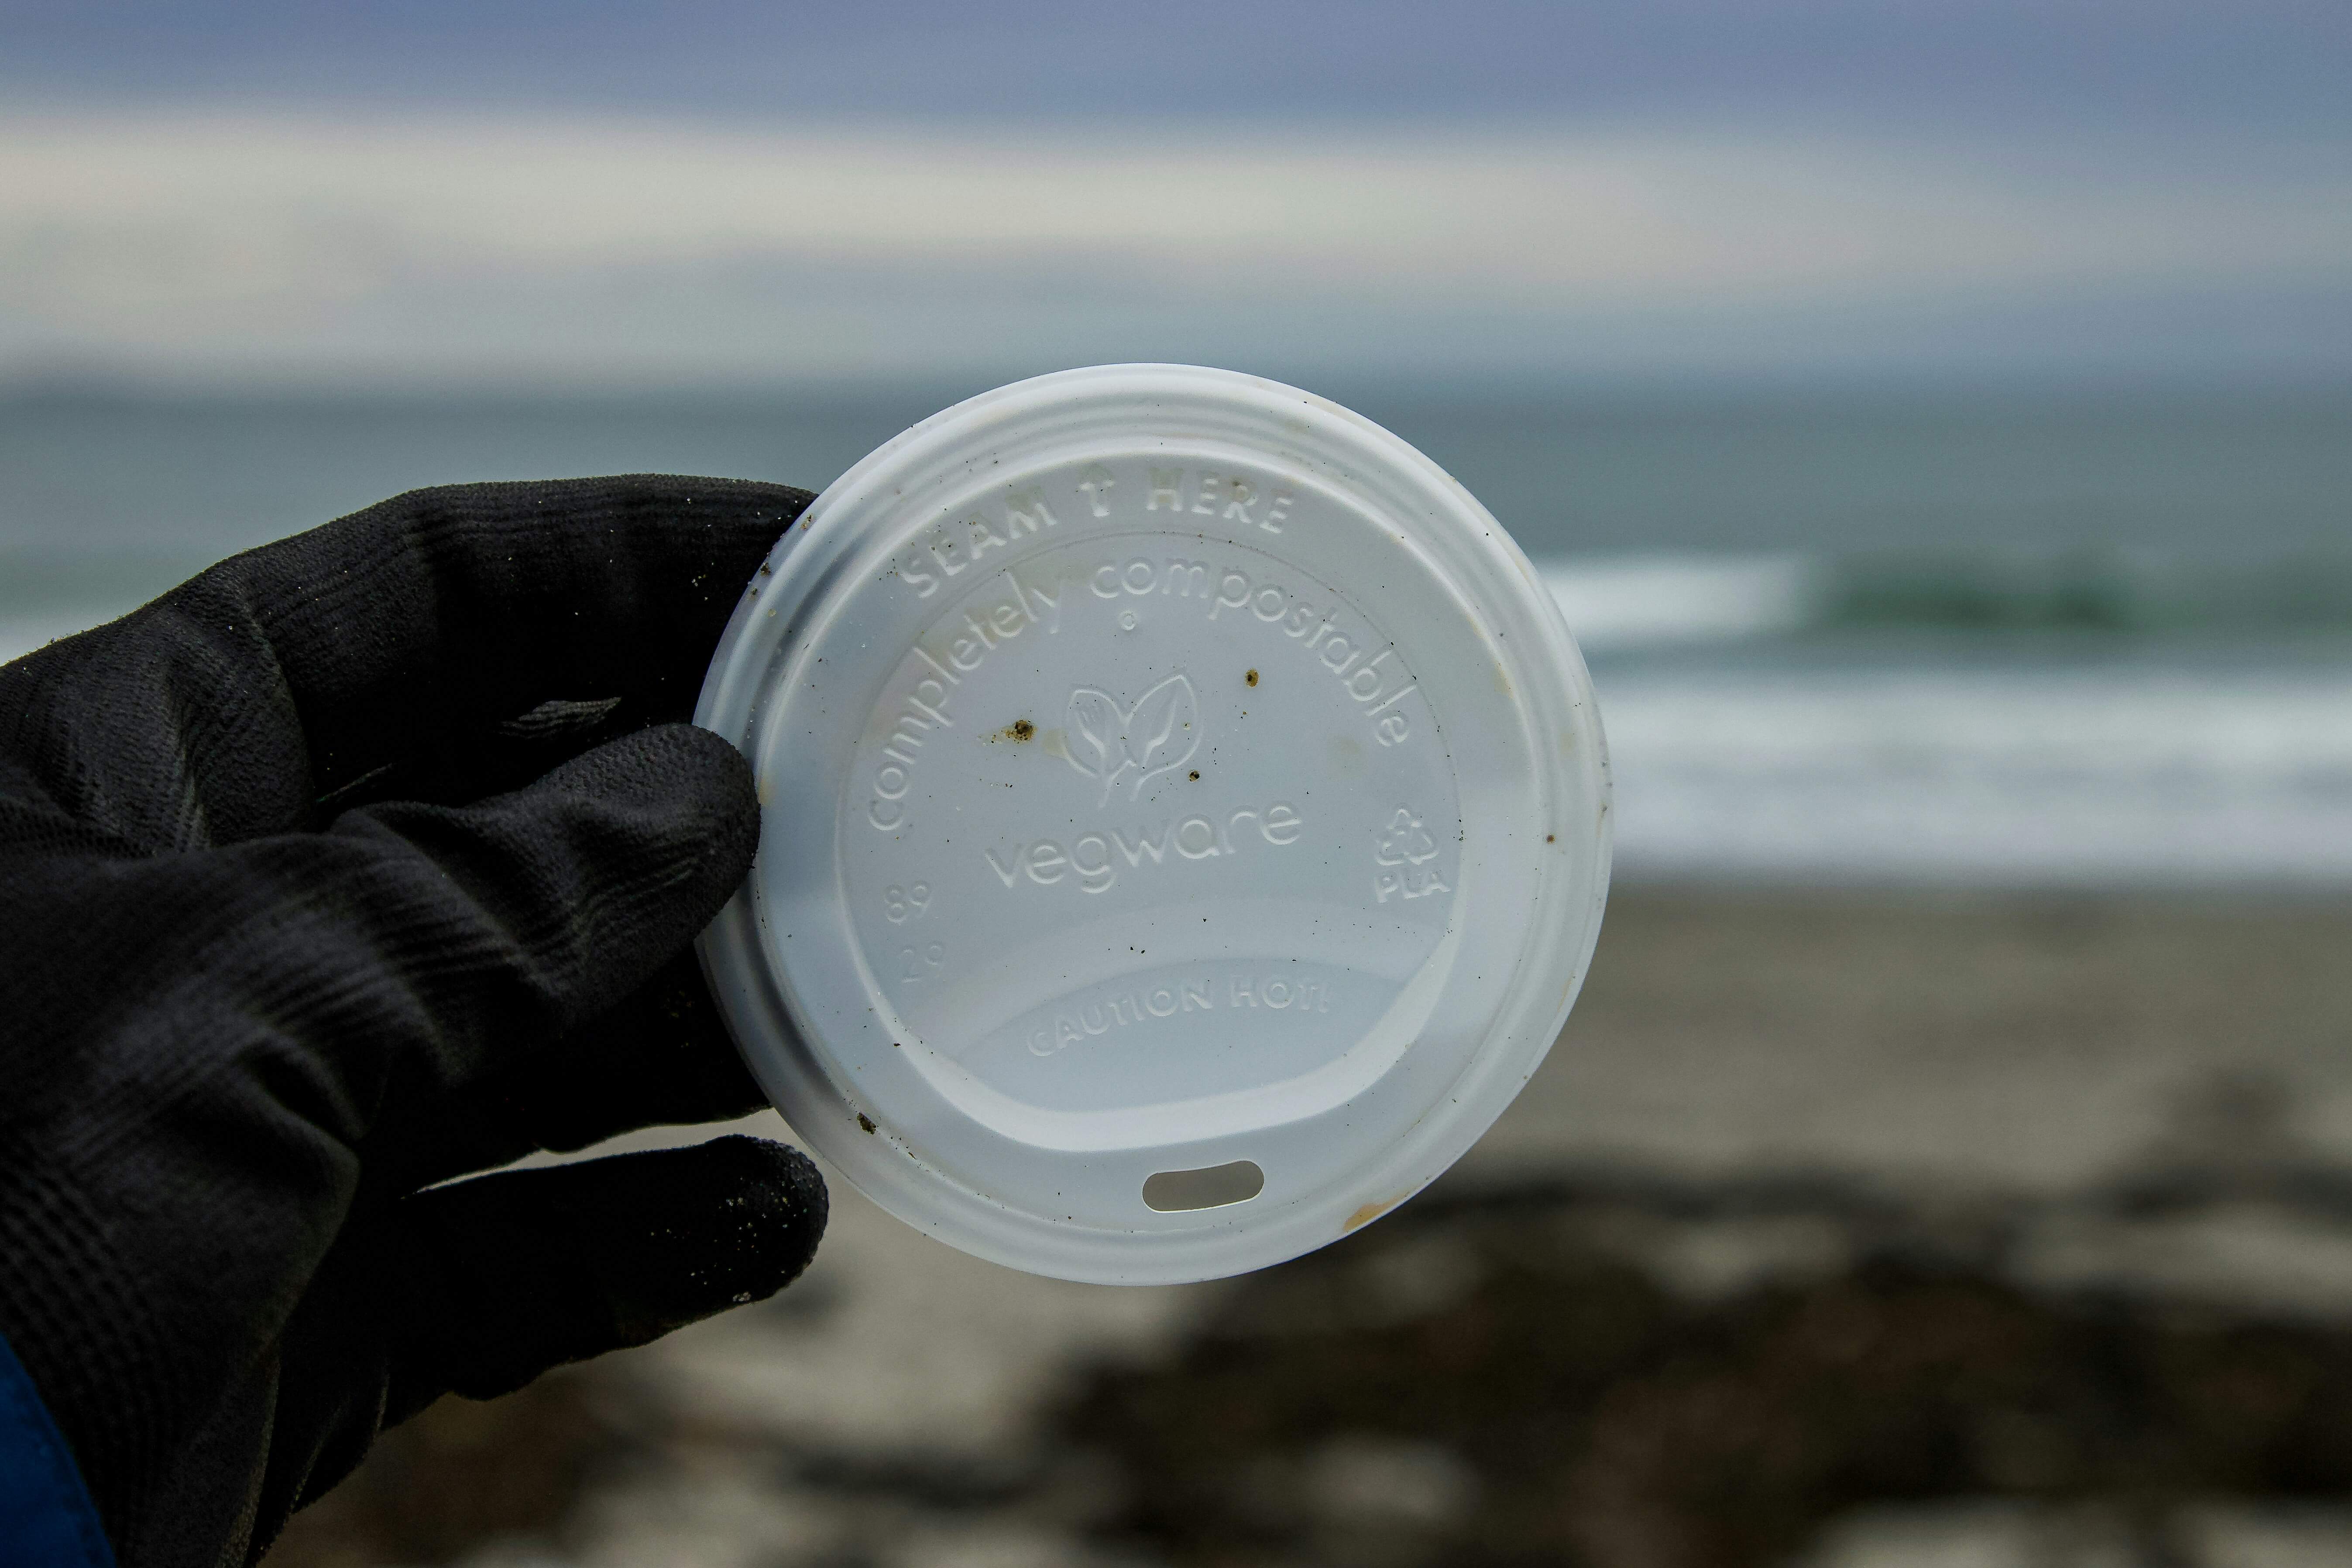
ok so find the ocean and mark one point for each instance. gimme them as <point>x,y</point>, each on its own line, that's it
<point>2058,637</point>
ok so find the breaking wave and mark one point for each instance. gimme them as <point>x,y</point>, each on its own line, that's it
<point>1636,601</point>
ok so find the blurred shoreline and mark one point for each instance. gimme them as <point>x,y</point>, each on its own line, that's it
<point>2008,635</point>
<point>2017,1041</point>
<point>2127,1106</point>
<point>1858,757</point>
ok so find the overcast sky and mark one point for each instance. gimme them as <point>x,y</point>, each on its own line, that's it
<point>1882,63</point>
<point>590,193</point>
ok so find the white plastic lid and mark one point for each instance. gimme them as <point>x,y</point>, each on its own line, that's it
<point>1184,824</point>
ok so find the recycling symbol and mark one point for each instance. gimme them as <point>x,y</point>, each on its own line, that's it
<point>1404,842</point>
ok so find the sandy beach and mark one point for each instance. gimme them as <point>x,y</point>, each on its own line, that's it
<point>2016,1041</point>
<point>2144,1101</point>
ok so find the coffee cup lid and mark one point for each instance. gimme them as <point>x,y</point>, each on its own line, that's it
<point>1184,823</point>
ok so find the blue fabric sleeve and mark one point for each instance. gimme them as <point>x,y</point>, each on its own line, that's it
<point>46,1514</point>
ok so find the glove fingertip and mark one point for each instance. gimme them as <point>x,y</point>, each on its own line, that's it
<point>769,1226</point>
<point>668,765</point>
<point>694,783</point>
<point>693,1232</point>
<point>511,1274</point>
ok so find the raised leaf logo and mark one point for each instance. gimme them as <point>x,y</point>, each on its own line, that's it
<point>1110,743</point>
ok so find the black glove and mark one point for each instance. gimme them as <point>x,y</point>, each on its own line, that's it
<point>359,862</point>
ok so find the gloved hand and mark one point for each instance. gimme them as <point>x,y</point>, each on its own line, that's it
<point>359,862</point>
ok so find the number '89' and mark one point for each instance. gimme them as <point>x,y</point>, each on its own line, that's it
<point>906,904</point>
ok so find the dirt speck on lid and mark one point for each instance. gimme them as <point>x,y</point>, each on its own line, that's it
<point>864,1122</point>
<point>1251,678</point>
<point>1019,730</point>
